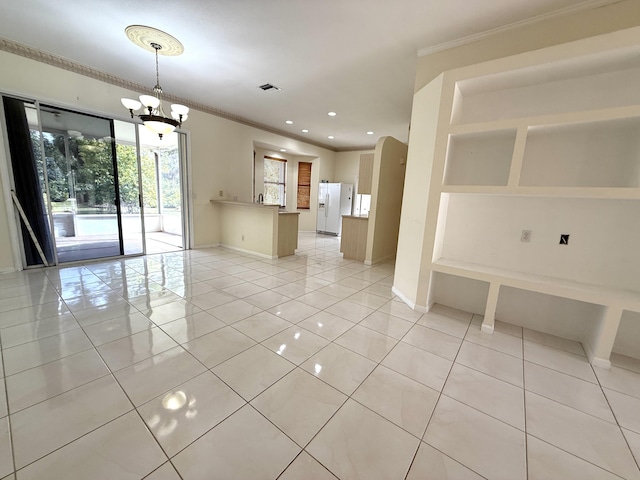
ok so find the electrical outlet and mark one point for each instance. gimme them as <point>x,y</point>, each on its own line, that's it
<point>564,239</point>
<point>243,238</point>
<point>525,236</point>
<point>221,193</point>
<point>235,198</point>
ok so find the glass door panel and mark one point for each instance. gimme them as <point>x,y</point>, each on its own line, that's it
<point>82,187</point>
<point>129,188</point>
<point>162,191</point>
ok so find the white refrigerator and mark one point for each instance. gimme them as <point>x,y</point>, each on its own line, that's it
<point>334,200</point>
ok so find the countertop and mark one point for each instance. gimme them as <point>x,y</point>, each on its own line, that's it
<point>359,217</point>
<point>254,205</point>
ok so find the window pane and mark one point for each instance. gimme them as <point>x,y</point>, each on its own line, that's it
<point>274,181</point>
<point>271,171</point>
<point>304,185</point>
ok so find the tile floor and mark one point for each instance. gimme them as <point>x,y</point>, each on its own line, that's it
<point>214,364</point>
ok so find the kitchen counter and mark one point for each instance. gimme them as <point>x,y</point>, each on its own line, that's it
<point>257,228</point>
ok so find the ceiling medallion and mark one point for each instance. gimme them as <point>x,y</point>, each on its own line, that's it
<point>154,118</point>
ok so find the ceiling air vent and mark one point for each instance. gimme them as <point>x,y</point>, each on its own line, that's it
<point>267,87</point>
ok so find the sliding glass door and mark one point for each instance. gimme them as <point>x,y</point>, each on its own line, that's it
<point>89,187</point>
<point>67,165</point>
<point>81,185</point>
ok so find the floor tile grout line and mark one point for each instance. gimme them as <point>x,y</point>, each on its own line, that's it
<point>74,440</point>
<point>624,437</point>
<point>440,394</point>
<point>524,410</point>
<point>573,408</point>
<point>296,457</point>
<point>453,362</point>
<point>135,408</point>
<point>9,423</point>
<point>574,455</point>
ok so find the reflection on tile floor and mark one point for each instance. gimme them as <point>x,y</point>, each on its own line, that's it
<point>217,364</point>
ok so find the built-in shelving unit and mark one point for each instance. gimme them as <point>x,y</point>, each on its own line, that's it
<point>546,142</point>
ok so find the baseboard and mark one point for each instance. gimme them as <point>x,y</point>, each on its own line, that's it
<point>405,299</point>
<point>250,252</point>
<point>381,260</point>
<point>212,245</point>
<point>596,361</point>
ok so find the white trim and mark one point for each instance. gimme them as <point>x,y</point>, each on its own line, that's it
<point>405,299</point>
<point>250,252</point>
<point>601,362</point>
<point>596,361</point>
<point>458,42</point>
<point>210,245</point>
<point>381,260</point>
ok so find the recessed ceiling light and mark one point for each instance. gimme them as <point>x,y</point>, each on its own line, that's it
<point>304,130</point>
<point>289,122</point>
<point>332,114</point>
<point>330,137</point>
<point>369,133</point>
<point>283,149</point>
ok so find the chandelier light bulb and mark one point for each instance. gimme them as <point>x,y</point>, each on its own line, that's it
<point>161,128</point>
<point>179,109</point>
<point>179,117</point>
<point>131,105</point>
<point>149,101</point>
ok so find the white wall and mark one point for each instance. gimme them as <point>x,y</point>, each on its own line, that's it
<point>411,260</point>
<point>347,166</point>
<point>220,151</point>
<point>389,166</point>
<point>603,243</point>
<point>554,31</point>
<point>627,339</point>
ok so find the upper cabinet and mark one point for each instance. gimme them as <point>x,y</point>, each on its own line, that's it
<point>365,174</point>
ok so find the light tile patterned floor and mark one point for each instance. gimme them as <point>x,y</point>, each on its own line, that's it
<point>215,364</point>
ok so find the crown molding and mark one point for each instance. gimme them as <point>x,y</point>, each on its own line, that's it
<point>71,66</point>
<point>356,149</point>
<point>588,5</point>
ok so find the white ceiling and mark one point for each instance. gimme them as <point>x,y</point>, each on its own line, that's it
<point>354,57</point>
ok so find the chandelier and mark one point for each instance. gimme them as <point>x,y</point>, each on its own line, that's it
<point>153,116</point>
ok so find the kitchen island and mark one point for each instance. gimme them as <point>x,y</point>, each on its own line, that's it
<point>257,228</point>
<point>353,242</point>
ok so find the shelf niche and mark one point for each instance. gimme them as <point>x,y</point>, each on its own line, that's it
<point>480,158</point>
<point>588,82</point>
<point>594,154</point>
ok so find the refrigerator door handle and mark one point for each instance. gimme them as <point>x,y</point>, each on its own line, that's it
<point>326,202</point>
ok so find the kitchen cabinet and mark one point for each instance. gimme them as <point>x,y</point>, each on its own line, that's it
<point>365,174</point>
